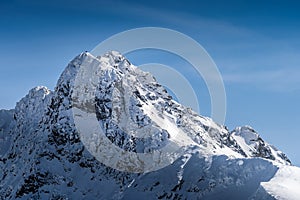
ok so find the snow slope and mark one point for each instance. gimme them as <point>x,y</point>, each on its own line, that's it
<point>44,154</point>
<point>284,184</point>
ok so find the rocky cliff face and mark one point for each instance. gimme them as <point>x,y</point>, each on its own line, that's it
<point>43,155</point>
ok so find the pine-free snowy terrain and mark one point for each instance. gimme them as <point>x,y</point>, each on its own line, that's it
<point>44,156</point>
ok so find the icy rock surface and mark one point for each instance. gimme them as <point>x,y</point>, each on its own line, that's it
<point>43,157</point>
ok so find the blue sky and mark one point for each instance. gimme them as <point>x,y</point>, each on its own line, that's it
<point>255,45</point>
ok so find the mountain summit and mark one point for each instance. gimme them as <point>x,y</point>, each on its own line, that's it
<point>123,137</point>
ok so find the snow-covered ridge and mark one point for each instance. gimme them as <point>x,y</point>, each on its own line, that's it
<point>44,157</point>
<point>254,146</point>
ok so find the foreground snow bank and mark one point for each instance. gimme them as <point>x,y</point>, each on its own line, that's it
<point>285,184</point>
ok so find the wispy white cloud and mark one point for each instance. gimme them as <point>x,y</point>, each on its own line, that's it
<point>283,80</point>
<point>244,55</point>
<point>180,19</point>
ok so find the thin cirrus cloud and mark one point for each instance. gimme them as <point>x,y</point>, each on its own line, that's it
<point>268,65</point>
<point>238,44</point>
<point>182,20</point>
<point>282,80</point>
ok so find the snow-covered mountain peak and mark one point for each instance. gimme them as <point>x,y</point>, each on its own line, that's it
<point>129,100</point>
<point>45,155</point>
<point>112,56</point>
<point>33,105</point>
<point>247,133</point>
<point>38,93</point>
<point>254,146</point>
